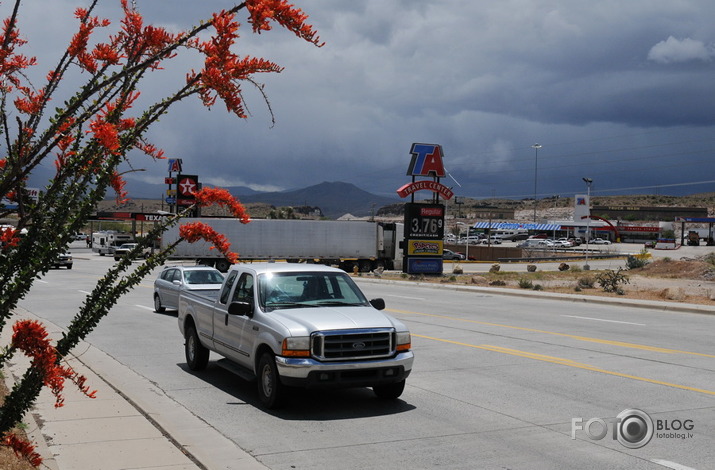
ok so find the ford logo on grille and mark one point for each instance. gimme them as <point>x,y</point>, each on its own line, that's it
<point>358,345</point>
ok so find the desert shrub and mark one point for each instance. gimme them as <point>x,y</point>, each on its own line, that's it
<point>526,283</point>
<point>538,287</point>
<point>634,262</point>
<point>498,282</point>
<point>586,282</point>
<point>610,280</point>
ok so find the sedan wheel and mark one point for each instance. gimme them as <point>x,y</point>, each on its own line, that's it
<point>157,304</point>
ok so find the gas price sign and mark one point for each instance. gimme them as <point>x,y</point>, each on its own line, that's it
<point>424,221</point>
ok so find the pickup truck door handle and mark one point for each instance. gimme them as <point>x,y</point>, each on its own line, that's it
<point>255,328</point>
<point>225,320</point>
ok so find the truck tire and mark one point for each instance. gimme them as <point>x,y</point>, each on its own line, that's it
<point>223,265</point>
<point>158,308</point>
<point>389,391</point>
<point>197,356</point>
<point>270,389</point>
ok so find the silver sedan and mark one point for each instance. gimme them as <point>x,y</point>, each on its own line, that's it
<point>174,279</point>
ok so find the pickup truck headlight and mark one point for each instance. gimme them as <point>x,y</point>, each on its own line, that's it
<point>296,347</point>
<point>404,341</point>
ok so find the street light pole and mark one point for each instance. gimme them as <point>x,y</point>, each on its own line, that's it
<point>588,182</point>
<point>536,148</point>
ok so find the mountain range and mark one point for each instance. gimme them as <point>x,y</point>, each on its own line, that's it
<point>334,199</point>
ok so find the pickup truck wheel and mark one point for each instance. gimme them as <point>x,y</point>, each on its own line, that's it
<point>157,304</point>
<point>197,356</point>
<point>389,391</point>
<point>270,389</point>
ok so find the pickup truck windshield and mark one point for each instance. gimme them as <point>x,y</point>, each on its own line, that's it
<point>294,290</point>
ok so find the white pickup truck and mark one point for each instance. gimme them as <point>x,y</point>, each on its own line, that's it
<point>296,325</point>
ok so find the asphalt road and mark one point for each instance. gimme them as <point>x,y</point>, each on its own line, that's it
<point>499,382</point>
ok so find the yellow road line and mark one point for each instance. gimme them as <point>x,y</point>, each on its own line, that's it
<point>565,335</point>
<point>566,362</point>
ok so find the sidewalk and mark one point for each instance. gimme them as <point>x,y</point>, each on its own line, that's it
<point>137,427</point>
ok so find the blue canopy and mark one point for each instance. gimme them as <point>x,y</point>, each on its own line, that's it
<point>516,226</point>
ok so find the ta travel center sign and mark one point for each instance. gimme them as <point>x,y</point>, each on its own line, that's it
<point>424,222</point>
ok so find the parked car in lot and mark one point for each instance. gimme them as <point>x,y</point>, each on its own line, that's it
<point>64,259</point>
<point>174,279</point>
<point>565,242</point>
<point>599,241</point>
<point>126,248</point>
<point>492,241</point>
<point>536,243</point>
<point>451,255</point>
<point>472,240</point>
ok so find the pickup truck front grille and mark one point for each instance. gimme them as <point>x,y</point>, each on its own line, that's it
<point>343,345</point>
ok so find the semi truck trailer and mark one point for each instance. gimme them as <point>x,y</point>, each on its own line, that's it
<point>348,244</point>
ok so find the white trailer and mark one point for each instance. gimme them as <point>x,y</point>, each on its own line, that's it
<point>106,241</point>
<point>365,245</point>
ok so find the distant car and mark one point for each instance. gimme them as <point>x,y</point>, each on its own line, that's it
<point>492,241</point>
<point>64,259</point>
<point>575,241</point>
<point>174,279</point>
<point>125,248</point>
<point>472,240</point>
<point>565,242</point>
<point>451,255</point>
<point>80,236</point>
<point>599,241</point>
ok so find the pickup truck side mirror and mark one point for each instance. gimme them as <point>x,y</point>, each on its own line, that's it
<point>240,308</point>
<point>378,304</point>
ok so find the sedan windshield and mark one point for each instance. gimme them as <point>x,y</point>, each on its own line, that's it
<point>292,290</point>
<point>203,277</point>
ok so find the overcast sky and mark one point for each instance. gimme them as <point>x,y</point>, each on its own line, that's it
<point>622,92</point>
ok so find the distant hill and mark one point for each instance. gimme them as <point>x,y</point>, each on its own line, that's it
<point>334,199</point>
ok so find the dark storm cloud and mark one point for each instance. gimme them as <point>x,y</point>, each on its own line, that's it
<point>621,90</point>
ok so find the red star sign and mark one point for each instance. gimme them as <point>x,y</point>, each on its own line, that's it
<point>187,187</point>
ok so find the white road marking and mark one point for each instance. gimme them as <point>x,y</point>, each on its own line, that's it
<point>405,297</point>
<point>144,307</point>
<point>84,292</point>
<point>602,319</point>
<point>673,465</point>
